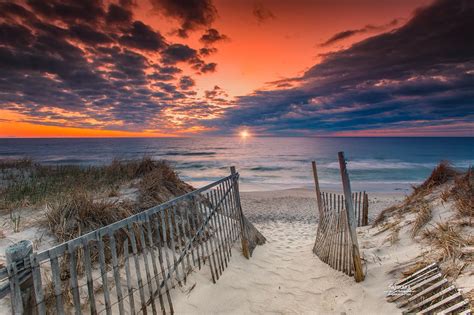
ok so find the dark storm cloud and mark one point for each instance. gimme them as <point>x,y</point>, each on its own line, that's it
<point>349,33</point>
<point>88,35</point>
<point>141,36</point>
<point>211,36</point>
<point>192,14</point>
<point>262,13</point>
<point>206,51</point>
<point>12,9</point>
<point>118,15</point>
<point>209,67</point>
<point>93,60</point>
<point>186,82</point>
<point>69,10</point>
<point>215,93</point>
<point>14,35</point>
<point>422,73</point>
<point>178,53</point>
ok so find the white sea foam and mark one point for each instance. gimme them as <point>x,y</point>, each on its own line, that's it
<point>379,165</point>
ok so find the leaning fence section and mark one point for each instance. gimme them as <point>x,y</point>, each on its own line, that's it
<point>339,215</point>
<point>130,266</point>
<point>360,202</point>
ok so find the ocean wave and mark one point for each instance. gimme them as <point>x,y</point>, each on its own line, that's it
<point>266,168</point>
<point>191,166</point>
<point>197,153</point>
<point>379,165</point>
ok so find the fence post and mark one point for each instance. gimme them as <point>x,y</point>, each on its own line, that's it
<point>365,210</point>
<point>358,272</point>
<point>22,294</point>
<point>318,191</point>
<point>243,234</point>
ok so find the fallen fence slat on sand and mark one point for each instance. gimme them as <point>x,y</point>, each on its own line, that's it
<point>426,291</point>
<point>195,229</point>
<point>339,215</point>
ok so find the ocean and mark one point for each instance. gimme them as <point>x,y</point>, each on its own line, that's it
<point>264,163</point>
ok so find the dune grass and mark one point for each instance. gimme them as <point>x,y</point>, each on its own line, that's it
<point>422,218</point>
<point>25,183</point>
<point>448,238</point>
<point>415,202</point>
<point>78,200</point>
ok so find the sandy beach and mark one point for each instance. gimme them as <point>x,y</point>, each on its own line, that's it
<point>284,276</point>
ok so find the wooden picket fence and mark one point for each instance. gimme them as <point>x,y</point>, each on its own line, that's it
<point>339,215</point>
<point>132,265</point>
<point>360,202</point>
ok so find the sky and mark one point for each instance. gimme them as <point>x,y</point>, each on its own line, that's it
<point>153,68</point>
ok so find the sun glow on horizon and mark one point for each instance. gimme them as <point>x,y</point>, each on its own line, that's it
<point>244,134</point>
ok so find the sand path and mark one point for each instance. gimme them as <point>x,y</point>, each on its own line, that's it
<point>282,277</point>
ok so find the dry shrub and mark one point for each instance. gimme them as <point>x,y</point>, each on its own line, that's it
<point>446,194</point>
<point>15,163</point>
<point>454,268</point>
<point>463,194</point>
<point>440,175</point>
<point>448,239</point>
<point>470,296</point>
<point>423,216</point>
<point>160,184</point>
<point>77,213</point>
<point>50,295</point>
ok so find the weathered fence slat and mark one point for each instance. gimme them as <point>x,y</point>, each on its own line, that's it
<point>359,274</point>
<point>38,285</point>
<point>115,266</point>
<point>131,299</point>
<point>103,272</point>
<point>145,252</point>
<point>136,260</point>
<point>73,279</point>
<point>221,222</point>
<point>209,244</point>
<point>90,282</point>
<point>176,237</point>
<point>161,244</point>
<point>225,219</point>
<point>215,234</point>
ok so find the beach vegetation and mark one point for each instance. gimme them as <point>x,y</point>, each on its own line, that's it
<point>25,183</point>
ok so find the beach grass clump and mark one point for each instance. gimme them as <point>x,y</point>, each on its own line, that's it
<point>423,216</point>
<point>463,194</point>
<point>160,184</point>
<point>415,202</point>
<point>21,163</point>
<point>77,213</point>
<point>440,175</point>
<point>448,239</point>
